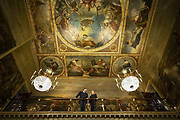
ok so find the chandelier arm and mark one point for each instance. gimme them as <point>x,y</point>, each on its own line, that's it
<point>119,76</point>
<point>32,76</point>
<point>121,88</point>
<point>117,85</point>
<point>39,71</point>
<point>32,82</point>
<point>138,74</point>
<point>140,79</point>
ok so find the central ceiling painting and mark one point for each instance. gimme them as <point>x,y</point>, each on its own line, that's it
<point>90,38</point>
<point>87,24</point>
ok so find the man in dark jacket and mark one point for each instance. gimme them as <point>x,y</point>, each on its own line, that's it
<point>83,99</point>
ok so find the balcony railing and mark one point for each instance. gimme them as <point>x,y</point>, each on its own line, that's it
<point>63,104</point>
<point>61,108</point>
<point>125,115</point>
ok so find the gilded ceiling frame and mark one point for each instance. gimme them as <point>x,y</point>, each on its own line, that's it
<point>91,51</point>
<point>137,56</point>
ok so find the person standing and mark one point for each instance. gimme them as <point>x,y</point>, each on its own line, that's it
<point>83,99</point>
<point>93,100</point>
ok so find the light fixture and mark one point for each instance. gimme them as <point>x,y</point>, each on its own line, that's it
<point>43,81</point>
<point>129,81</point>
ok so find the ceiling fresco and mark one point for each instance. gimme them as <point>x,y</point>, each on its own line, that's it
<point>52,65</point>
<point>90,38</point>
<point>123,63</point>
<point>87,24</point>
<point>87,66</point>
<point>136,20</point>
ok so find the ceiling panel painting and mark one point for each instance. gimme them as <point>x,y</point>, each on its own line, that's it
<point>41,17</point>
<point>123,64</point>
<point>52,65</point>
<point>88,66</point>
<point>88,24</point>
<point>136,22</point>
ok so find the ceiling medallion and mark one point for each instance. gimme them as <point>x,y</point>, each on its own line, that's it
<point>123,64</point>
<point>51,65</point>
<point>88,25</point>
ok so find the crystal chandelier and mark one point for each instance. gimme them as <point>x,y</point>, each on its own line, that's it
<point>129,81</point>
<point>43,81</point>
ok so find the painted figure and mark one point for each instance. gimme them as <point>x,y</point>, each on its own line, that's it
<point>75,67</point>
<point>89,3</point>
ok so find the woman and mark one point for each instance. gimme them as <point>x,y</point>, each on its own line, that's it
<point>92,100</point>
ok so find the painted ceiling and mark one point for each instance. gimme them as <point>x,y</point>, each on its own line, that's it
<point>90,38</point>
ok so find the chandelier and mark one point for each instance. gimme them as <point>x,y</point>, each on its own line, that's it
<point>128,80</point>
<point>44,81</point>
